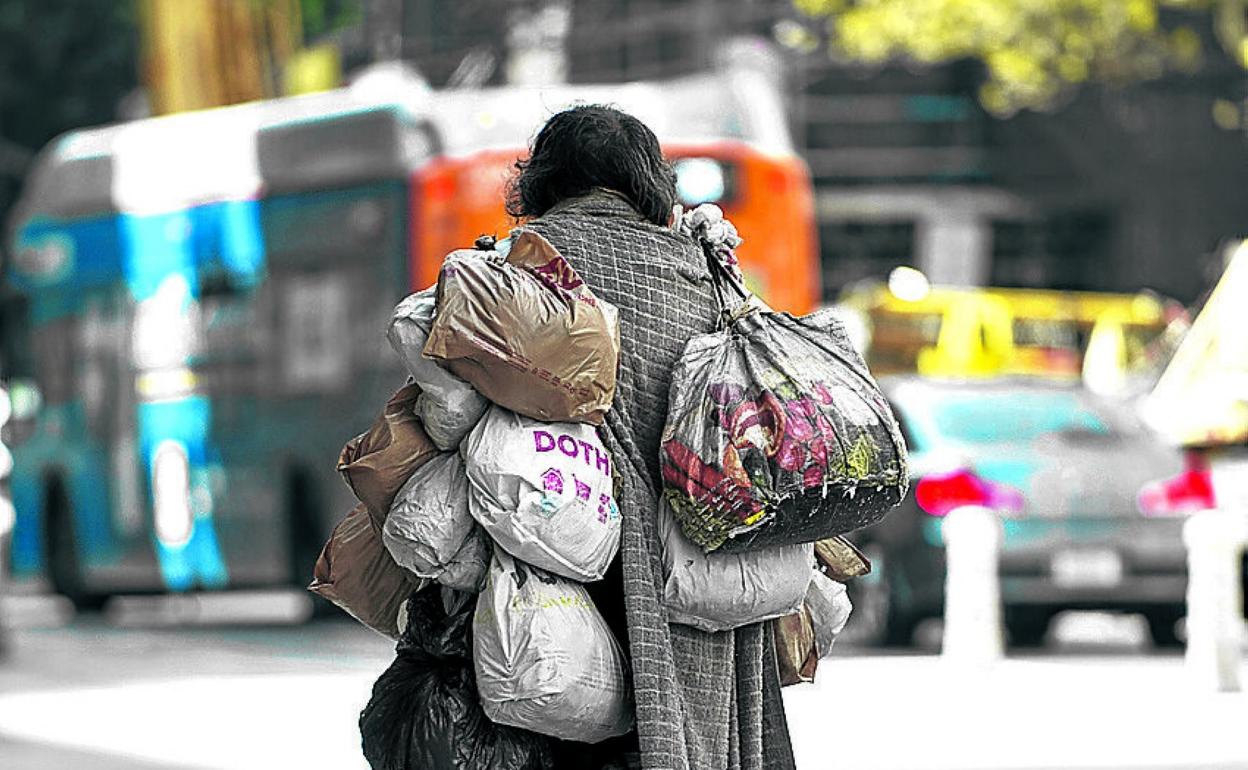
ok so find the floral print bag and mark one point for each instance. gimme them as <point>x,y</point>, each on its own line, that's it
<point>776,433</point>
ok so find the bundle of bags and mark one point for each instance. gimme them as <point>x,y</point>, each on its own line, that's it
<point>485,490</point>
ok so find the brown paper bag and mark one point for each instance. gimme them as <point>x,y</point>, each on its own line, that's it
<point>527,333</point>
<point>796,652</point>
<point>356,573</point>
<point>840,559</point>
<point>377,463</point>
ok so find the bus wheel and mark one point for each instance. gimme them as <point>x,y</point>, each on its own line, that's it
<point>64,559</point>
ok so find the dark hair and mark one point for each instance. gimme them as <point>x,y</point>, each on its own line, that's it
<point>593,146</point>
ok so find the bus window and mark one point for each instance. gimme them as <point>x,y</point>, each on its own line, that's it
<point>315,337</point>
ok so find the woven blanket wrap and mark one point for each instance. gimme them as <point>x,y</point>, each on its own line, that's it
<point>705,701</point>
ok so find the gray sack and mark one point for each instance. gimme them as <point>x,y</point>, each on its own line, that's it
<point>429,530</point>
<point>448,406</point>
<point>544,657</point>
<point>720,591</point>
<point>829,607</point>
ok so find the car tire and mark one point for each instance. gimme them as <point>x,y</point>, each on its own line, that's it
<point>1027,627</point>
<point>1163,628</point>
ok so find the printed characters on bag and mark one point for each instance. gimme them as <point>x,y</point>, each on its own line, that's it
<point>559,275</point>
<point>530,601</point>
<point>552,481</point>
<point>545,441</point>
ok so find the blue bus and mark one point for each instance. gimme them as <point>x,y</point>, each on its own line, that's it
<point>193,317</point>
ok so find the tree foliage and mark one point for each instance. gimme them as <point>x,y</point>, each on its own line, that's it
<point>1035,50</point>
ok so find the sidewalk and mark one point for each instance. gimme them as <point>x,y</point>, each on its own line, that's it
<point>912,713</point>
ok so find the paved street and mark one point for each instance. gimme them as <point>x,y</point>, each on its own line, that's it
<point>94,696</point>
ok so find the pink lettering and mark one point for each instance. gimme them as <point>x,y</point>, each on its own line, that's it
<point>543,441</point>
<point>586,446</point>
<point>582,489</point>
<point>568,448</point>
<point>603,461</point>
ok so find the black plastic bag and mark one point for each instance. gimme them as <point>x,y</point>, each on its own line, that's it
<point>424,713</point>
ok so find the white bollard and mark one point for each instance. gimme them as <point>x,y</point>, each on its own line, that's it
<point>1214,540</point>
<point>973,630</point>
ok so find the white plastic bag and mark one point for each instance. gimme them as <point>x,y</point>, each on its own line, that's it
<point>719,591</point>
<point>448,406</point>
<point>429,519</point>
<point>544,657</point>
<point>829,607</point>
<point>544,492</point>
<point>471,563</point>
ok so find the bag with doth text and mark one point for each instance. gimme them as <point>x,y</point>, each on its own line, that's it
<point>544,492</point>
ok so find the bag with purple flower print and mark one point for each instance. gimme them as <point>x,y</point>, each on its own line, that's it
<point>776,432</point>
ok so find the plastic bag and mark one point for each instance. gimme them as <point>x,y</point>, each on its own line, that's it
<point>470,565</point>
<point>448,406</point>
<point>424,713</point>
<point>544,492</point>
<point>429,520</point>
<point>829,606</point>
<point>806,636</point>
<point>527,333</point>
<point>777,434</point>
<point>545,659</point>
<point>840,559</point>
<point>721,591</point>
<point>378,462</point>
<point>355,572</point>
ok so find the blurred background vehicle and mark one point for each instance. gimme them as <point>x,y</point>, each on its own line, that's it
<point>1065,469</point>
<point>196,301</point>
<point>946,331</point>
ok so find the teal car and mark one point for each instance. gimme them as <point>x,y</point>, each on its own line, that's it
<point>1065,470</point>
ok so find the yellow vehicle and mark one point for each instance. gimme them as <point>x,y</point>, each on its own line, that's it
<point>944,331</point>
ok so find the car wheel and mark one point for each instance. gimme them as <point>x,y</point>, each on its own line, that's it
<point>877,619</point>
<point>1163,628</point>
<point>1027,627</point>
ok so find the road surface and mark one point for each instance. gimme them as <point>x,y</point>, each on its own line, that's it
<point>91,695</point>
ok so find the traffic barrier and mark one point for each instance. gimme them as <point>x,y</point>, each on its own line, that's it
<point>973,626</point>
<point>1214,540</point>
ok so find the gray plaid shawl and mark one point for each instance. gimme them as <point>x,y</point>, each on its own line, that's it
<point>704,701</point>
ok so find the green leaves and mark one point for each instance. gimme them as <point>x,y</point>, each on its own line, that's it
<point>1033,50</point>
